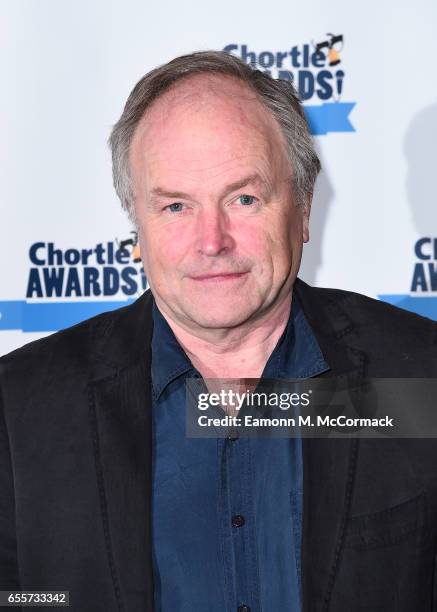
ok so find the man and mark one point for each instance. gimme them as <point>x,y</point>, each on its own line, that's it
<point>102,493</point>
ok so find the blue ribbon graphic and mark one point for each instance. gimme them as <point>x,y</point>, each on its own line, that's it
<point>329,117</point>
<point>51,316</point>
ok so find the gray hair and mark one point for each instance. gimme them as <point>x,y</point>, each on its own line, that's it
<point>278,96</point>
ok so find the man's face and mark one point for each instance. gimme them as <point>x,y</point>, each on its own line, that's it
<point>220,235</point>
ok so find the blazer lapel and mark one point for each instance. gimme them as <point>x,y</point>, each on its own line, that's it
<point>329,470</point>
<point>121,429</point>
<point>329,465</point>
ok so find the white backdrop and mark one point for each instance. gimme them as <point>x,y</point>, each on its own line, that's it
<point>67,68</point>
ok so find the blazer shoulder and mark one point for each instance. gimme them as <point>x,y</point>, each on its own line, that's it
<point>108,338</point>
<point>377,319</point>
<point>71,345</point>
<point>377,323</point>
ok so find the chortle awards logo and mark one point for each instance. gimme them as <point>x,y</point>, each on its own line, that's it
<point>66,286</point>
<point>317,72</point>
<point>422,298</point>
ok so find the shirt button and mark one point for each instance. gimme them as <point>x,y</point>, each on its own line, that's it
<point>243,608</point>
<point>238,521</point>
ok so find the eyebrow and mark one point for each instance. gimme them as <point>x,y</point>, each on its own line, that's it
<point>248,180</point>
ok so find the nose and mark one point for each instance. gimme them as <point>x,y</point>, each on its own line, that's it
<point>213,233</point>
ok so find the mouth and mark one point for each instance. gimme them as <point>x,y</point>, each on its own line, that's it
<point>224,276</point>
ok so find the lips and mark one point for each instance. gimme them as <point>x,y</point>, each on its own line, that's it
<point>218,276</point>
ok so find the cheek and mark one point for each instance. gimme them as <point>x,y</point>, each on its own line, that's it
<point>164,245</point>
<point>270,240</point>
<point>252,241</point>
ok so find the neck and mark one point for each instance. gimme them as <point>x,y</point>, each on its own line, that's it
<point>235,353</point>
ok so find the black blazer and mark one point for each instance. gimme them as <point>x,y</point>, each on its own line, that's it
<point>75,467</point>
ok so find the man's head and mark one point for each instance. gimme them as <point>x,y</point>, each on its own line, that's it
<point>214,163</point>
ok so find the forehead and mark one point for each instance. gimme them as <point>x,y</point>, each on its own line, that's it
<point>205,122</point>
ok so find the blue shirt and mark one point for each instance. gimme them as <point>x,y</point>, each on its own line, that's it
<point>226,514</point>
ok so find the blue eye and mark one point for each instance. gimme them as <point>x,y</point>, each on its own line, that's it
<point>175,207</point>
<point>246,200</point>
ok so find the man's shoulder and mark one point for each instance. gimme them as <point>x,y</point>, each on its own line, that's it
<point>376,324</point>
<point>74,335</point>
<point>65,352</point>
<point>73,345</point>
<point>365,310</point>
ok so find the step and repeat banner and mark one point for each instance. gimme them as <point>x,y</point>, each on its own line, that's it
<point>366,74</point>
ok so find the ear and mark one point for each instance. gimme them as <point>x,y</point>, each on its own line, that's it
<point>306,218</point>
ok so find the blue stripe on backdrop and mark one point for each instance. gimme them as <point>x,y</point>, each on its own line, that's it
<point>424,305</point>
<point>51,316</point>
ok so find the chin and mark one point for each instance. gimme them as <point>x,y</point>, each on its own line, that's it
<point>219,319</point>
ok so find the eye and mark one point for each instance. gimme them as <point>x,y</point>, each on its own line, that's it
<point>246,200</point>
<point>175,207</point>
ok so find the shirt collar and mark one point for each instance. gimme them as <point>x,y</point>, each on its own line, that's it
<point>169,360</point>
<point>297,353</point>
